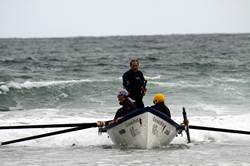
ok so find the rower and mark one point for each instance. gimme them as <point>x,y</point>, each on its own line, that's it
<point>159,104</point>
<point>127,107</point>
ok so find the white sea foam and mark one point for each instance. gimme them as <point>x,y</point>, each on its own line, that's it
<point>157,77</point>
<point>88,137</point>
<point>229,79</point>
<point>38,84</point>
<point>84,137</point>
<point>4,89</point>
<point>153,77</point>
<point>180,84</point>
<point>218,109</point>
<point>240,122</point>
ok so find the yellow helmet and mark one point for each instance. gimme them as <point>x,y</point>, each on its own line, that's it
<point>159,98</point>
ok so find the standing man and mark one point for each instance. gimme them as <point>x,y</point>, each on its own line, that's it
<point>135,83</point>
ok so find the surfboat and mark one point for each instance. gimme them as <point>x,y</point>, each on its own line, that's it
<point>144,128</point>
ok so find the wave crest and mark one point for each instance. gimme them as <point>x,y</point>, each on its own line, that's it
<point>39,84</point>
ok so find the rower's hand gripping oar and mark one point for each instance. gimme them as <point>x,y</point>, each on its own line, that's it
<point>185,122</point>
<point>87,125</point>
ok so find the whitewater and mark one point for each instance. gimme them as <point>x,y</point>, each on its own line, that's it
<point>75,80</point>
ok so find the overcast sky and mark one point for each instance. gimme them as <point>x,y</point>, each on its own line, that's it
<point>64,18</point>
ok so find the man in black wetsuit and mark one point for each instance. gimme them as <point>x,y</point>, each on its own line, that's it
<point>135,83</point>
<point>159,104</point>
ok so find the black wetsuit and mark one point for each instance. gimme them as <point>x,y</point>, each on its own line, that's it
<point>134,82</point>
<point>127,106</point>
<point>162,108</point>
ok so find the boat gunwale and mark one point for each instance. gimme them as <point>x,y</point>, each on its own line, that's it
<point>144,110</point>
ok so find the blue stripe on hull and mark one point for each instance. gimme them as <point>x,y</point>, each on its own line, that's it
<point>143,110</point>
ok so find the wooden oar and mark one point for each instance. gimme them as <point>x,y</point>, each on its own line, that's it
<point>87,125</point>
<point>44,126</point>
<point>185,121</point>
<point>219,129</point>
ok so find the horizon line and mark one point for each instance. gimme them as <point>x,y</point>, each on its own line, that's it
<point>132,35</point>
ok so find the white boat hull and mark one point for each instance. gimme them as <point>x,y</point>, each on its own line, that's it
<point>147,128</point>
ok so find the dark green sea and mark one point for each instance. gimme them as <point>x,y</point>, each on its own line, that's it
<point>66,80</point>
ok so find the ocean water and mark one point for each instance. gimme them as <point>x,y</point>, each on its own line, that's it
<point>75,80</point>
